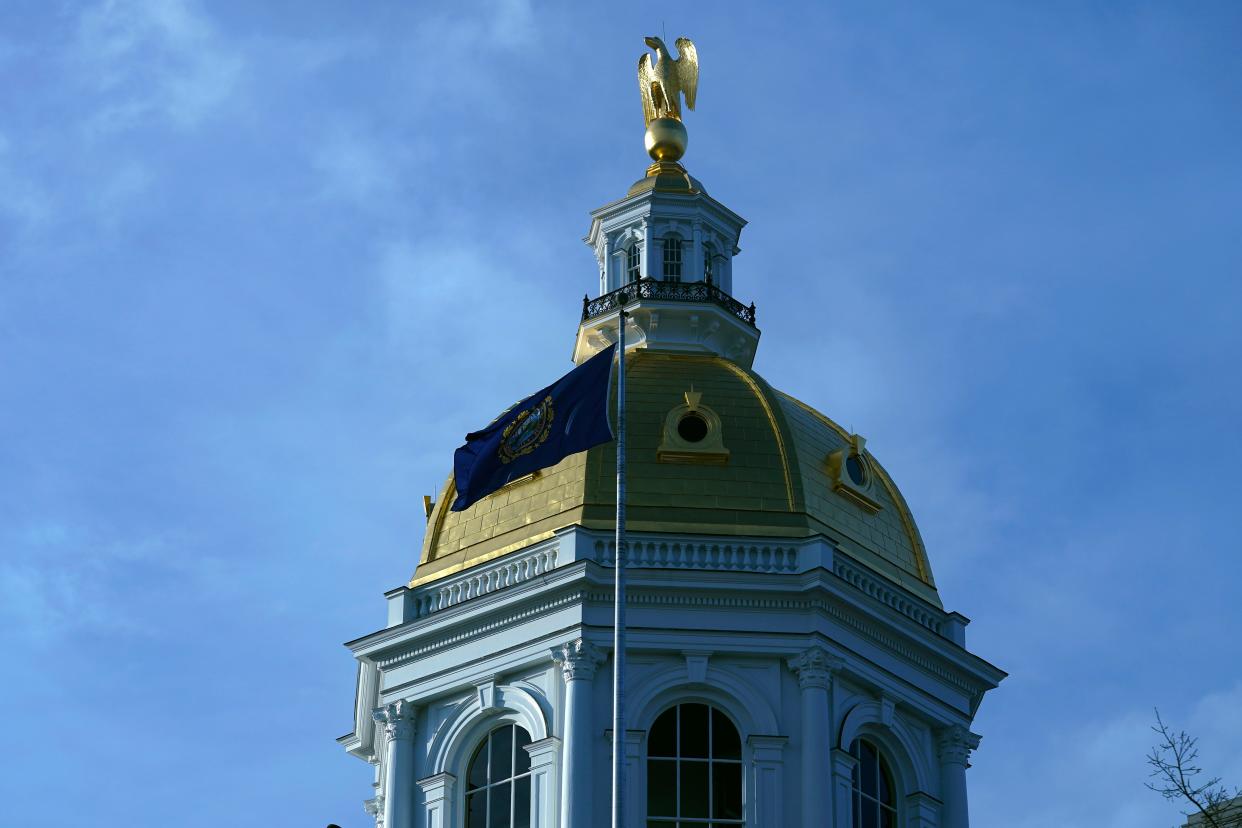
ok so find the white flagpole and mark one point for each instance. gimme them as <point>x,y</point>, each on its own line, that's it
<point>618,634</point>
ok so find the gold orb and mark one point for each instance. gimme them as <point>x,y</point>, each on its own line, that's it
<point>666,139</point>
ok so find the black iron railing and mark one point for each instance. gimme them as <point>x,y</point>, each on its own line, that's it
<point>666,292</point>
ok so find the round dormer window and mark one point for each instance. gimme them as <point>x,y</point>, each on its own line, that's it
<point>692,428</point>
<point>856,468</point>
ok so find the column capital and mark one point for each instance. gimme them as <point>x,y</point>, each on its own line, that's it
<point>375,807</point>
<point>955,743</point>
<point>578,659</point>
<point>397,719</point>
<point>814,667</point>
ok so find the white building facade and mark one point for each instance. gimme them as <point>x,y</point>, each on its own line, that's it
<point>789,661</point>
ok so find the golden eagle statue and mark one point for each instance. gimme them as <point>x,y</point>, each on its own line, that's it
<point>663,83</point>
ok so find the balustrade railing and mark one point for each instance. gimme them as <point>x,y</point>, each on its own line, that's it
<point>666,292</point>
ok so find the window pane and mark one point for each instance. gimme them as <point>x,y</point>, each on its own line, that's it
<point>693,800</point>
<point>888,819</point>
<point>726,791</point>
<point>672,258</point>
<point>660,823</point>
<point>694,730</point>
<point>520,757</point>
<point>867,769</point>
<point>726,744</point>
<point>498,806</point>
<point>477,777</point>
<point>502,754</point>
<point>521,802</point>
<point>663,738</point>
<point>476,810</point>
<point>857,811</point>
<point>661,787</point>
<point>870,813</point>
<point>885,793</point>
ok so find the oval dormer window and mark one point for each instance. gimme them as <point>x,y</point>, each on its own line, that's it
<point>856,468</point>
<point>692,428</point>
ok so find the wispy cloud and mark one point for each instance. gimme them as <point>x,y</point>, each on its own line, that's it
<point>59,579</point>
<point>360,168</point>
<point>23,201</point>
<point>154,59</point>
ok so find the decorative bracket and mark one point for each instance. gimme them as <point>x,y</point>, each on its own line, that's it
<point>488,698</point>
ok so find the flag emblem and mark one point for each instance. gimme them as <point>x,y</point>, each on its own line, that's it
<point>567,417</point>
<point>528,431</point>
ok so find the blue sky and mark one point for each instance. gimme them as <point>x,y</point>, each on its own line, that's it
<point>262,265</point>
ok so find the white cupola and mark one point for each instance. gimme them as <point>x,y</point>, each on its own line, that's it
<point>667,248</point>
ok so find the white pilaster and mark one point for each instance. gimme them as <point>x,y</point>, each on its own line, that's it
<point>578,659</point>
<point>767,771</point>
<point>544,798</point>
<point>814,668</point>
<point>955,745</point>
<point>635,776</point>
<point>922,811</point>
<point>397,719</point>
<point>842,788</point>
<point>438,794</point>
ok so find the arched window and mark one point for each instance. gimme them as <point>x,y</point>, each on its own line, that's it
<point>633,262</point>
<point>875,797</point>
<point>672,258</point>
<point>709,253</point>
<point>498,781</point>
<point>694,769</point>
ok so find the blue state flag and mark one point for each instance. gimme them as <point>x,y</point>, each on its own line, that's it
<point>568,416</point>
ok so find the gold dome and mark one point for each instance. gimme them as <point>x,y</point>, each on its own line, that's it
<point>782,477</point>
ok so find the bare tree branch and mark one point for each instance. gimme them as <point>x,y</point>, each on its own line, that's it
<point>1175,768</point>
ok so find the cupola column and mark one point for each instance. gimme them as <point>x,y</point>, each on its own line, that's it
<point>647,268</point>
<point>815,668</point>
<point>695,272</point>
<point>578,659</point>
<point>955,745</point>
<point>605,265</point>
<point>397,720</point>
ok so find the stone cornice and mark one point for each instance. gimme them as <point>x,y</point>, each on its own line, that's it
<point>816,591</point>
<point>787,593</point>
<point>457,634</point>
<point>951,671</point>
<point>376,645</point>
<point>663,553</point>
